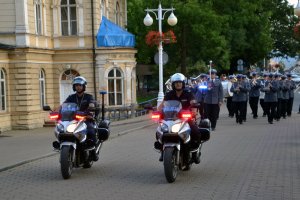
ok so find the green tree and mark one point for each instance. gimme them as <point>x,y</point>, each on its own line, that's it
<point>283,22</point>
<point>221,31</point>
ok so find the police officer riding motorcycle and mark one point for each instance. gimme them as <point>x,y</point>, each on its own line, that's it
<point>190,142</point>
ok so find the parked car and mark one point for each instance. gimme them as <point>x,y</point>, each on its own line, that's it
<point>296,78</point>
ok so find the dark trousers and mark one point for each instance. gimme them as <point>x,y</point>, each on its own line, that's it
<point>278,109</point>
<point>289,106</point>
<point>201,110</point>
<point>253,101</point>
<point>195,133</point>
<point>239,108</point>
<point>212,113</point>
<point>263,106</point>
<point>244,114</point>
<point>270,110</point>
<point>91,133</point>
<point>283,107</point>
<point>229,105</point>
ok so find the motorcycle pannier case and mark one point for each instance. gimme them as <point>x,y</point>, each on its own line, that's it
<point>103,130</point>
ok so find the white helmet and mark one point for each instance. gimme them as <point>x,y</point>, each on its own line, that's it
<point>80,81</point>
<point>178,77</point>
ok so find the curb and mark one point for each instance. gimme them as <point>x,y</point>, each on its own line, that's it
<point>55,153</point>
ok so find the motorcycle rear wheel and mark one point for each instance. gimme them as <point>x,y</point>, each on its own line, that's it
<point>170,167</point>
<point>66,164</point>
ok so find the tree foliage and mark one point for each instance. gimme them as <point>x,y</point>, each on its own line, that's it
<point>221,31</point>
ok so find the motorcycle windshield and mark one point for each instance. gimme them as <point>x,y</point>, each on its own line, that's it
<point>68,111</point>
<point>171,109</point>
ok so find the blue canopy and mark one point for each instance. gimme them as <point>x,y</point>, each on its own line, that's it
<point>112,35</point>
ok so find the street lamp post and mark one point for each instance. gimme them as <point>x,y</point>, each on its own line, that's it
<point>172,21</point>
<point>210,64</point>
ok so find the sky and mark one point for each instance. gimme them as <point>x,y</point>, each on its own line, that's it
<point>293,2</point>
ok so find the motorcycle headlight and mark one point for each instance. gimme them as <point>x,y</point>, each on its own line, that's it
<point>60,128</point>
<point>80,128</point>
<point>164,128</point>
<point>71,128</point>
<point>176,128</point>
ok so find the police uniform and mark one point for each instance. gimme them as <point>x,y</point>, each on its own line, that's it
<point>229,103</point>
<point>262,94</point>
<point>239,98</point>
<point>247,86</point>
<point>254,94</point>
<point>270,88</point>
<point>83,104</point>
<point>279,97</point>
<point>285,96</point>
<point>212,99</point>
<point>292,87</point>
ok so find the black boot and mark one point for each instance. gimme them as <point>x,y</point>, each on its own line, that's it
<point>161,157</point>
<point>94,155</point>
<point>196,157</point>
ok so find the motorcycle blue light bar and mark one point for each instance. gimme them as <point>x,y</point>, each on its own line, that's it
<point>202,87</point>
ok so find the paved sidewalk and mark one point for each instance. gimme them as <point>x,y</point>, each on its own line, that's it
<point>18,147</point>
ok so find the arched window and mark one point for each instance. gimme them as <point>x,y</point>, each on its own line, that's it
<point>103,8</point>
<point>68,17</point>
<point>2,91</point>
<point>118,14</point>
<point>115,87</point>
<point>42,88</point>
<point>38,17</point>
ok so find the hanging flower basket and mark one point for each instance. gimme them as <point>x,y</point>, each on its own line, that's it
<point>154,37</point>
<point>297,31</point>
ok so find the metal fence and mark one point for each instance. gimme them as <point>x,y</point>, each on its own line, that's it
<point>125,112</point>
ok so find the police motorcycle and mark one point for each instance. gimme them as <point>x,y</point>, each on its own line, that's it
<point>174,138</point>
<point>71,134</point>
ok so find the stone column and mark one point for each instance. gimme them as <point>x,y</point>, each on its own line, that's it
<point>22,27</point>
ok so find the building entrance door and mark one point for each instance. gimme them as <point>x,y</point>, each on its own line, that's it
<point>66,84</point>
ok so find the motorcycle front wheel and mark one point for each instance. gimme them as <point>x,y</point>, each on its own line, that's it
<point>66,164</point>
<point>170,166</point>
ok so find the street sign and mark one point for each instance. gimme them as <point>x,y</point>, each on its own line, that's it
<point>165,58</point>
<point>240,62</point>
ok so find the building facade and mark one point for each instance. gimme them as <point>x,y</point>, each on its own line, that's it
<point>44,44</point>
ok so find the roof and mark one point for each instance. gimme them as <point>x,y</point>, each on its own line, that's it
<point>112,35</point>
<point>6,46</point>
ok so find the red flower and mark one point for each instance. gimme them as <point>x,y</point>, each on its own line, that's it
<point>154,37</point>
<point>297,31</point>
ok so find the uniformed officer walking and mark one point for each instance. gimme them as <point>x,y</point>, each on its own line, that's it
<point>254,94</point>
<point>270,88</point>
<point>285,96</point>
<point>262,94</point>
<point>279,96</point>
<point>247,84</point>
<point>239,89</point>
<point>292,87</point>
<point>213,99</point>
<point>229,104</point>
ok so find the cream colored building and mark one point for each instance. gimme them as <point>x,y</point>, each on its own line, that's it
<point>44,44</point>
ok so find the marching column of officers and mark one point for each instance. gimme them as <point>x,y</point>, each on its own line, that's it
<point>273,91</point>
